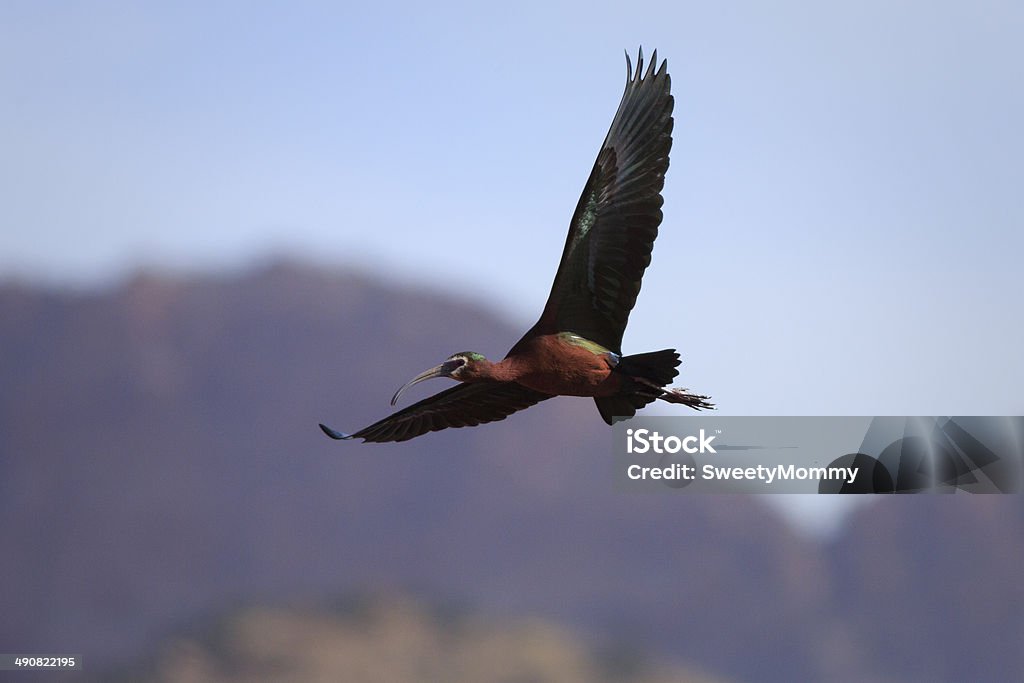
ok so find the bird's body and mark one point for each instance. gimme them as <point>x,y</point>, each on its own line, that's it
<point>561,364</point>
<point>575,347</point>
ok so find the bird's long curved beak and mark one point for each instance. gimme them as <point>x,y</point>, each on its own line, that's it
<point>442,370</point>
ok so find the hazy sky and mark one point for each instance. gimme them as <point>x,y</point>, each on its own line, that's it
<point>844,208</point>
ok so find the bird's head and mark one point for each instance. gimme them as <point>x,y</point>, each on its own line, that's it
<point>464,366</point>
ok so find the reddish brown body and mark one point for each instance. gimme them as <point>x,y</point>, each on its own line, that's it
<point>554,365</point>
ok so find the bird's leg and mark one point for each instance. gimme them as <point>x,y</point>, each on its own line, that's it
<point>695,401</point>
<point>674,395</point>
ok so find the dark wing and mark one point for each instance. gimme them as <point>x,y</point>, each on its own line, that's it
<point>617,218</point>
<point>465,405</point>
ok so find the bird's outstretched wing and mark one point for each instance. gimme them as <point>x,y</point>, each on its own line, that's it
<point>465,405</point>
<point>617,218</point>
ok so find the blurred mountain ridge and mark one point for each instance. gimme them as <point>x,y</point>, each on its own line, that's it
<point>391,639</point>
<point>159,454</point>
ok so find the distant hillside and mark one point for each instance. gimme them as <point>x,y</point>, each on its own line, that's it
<point>159,459</point>
<point>392,641</point>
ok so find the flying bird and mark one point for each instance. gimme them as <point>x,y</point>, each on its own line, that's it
<point>574,349</point>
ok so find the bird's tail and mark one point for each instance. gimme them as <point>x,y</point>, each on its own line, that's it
<point>648,375</point>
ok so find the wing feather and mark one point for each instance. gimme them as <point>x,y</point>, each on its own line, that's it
<point>464,405</point>
<point>616,221</point>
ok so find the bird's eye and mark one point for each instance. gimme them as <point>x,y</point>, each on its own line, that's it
<point>459,362</point>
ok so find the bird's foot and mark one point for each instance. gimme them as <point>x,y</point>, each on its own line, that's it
<point>684,397</point>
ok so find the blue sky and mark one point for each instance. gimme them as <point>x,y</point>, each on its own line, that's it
<point>843,219</point>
